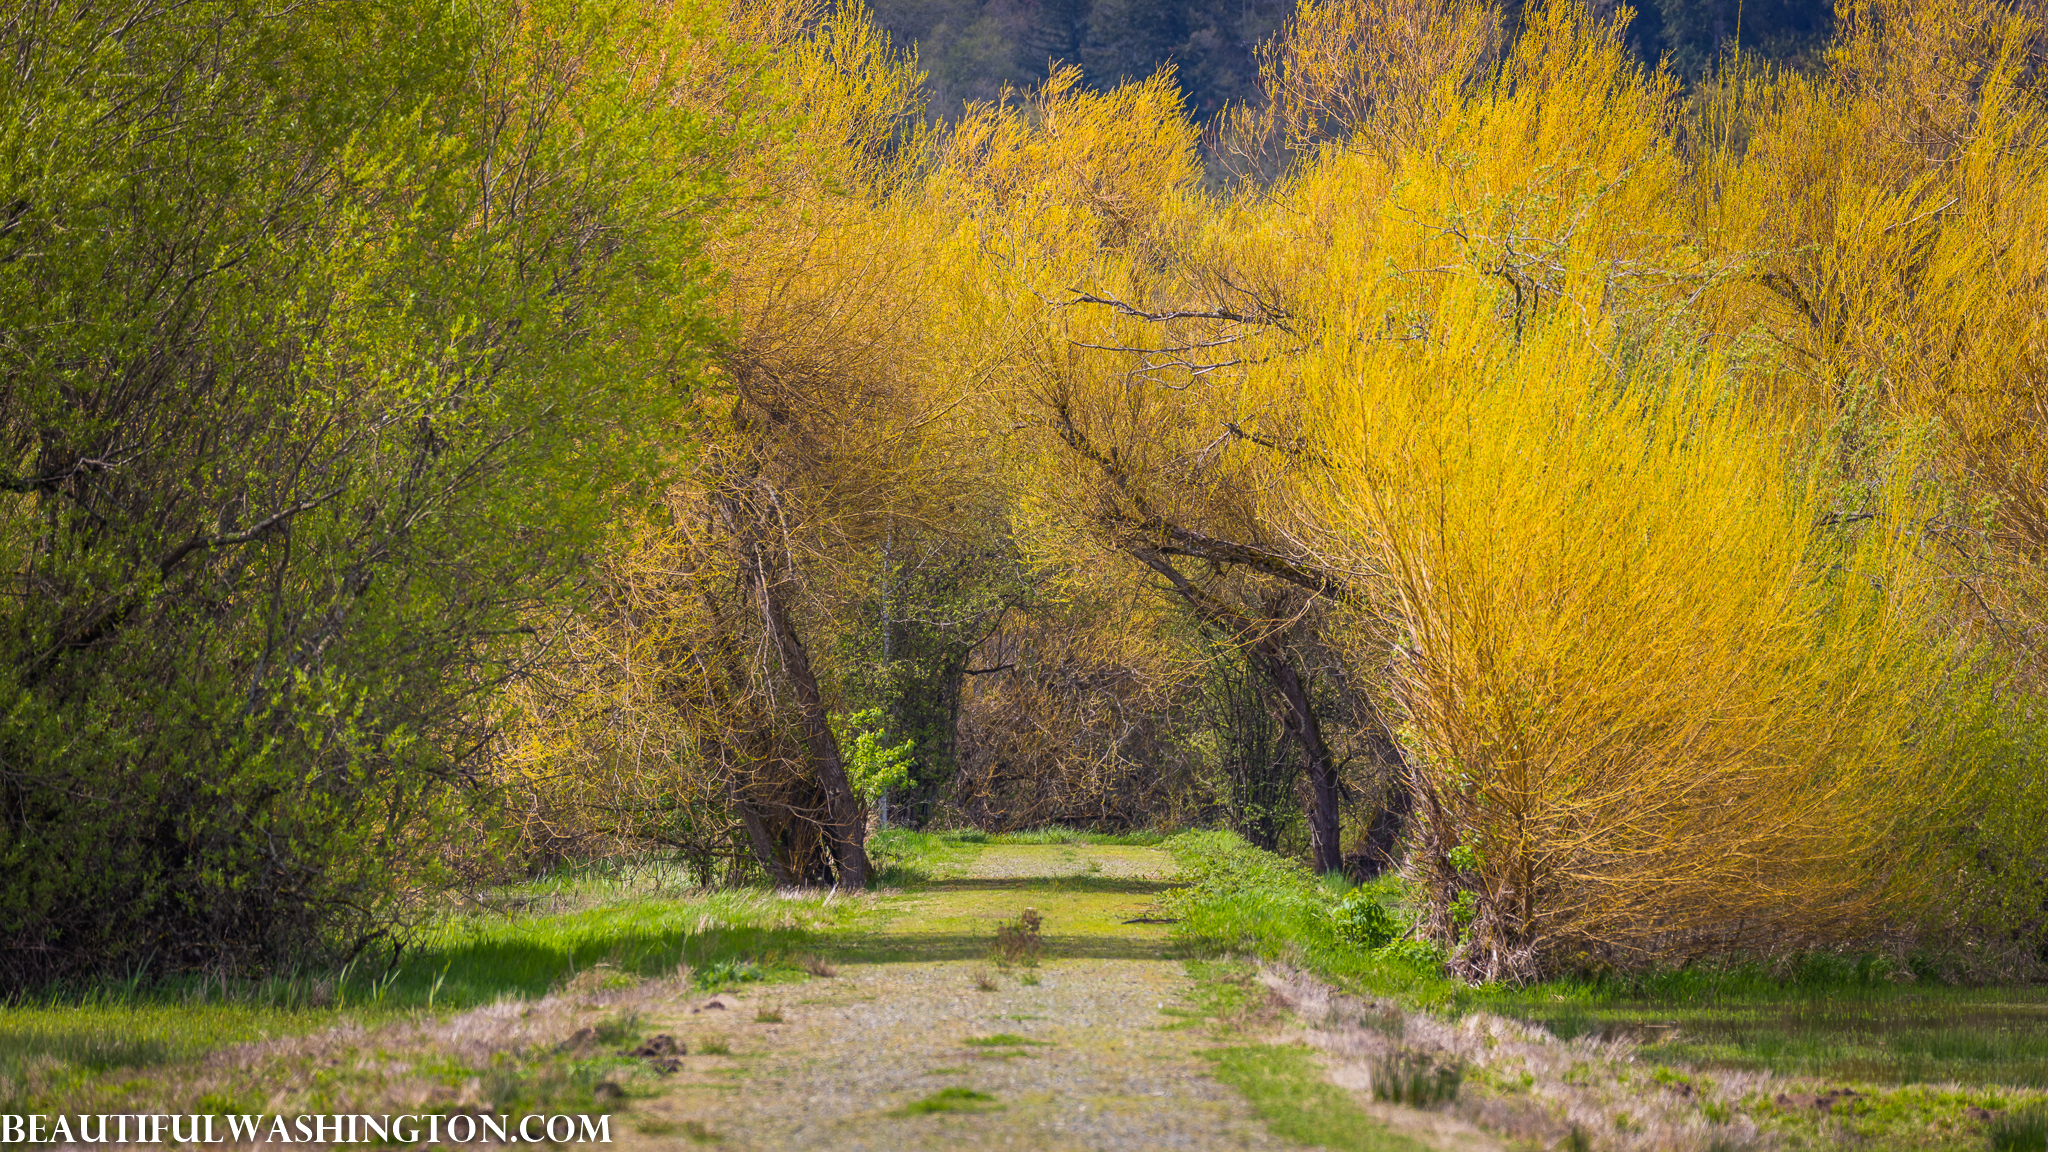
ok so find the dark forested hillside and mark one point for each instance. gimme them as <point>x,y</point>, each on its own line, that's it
<point>971,48</point>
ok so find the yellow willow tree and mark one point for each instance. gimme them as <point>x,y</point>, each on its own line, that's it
<point>1653,712</point>
<point>1107,270</point>
<point>1898,205</point>
<point>703,718</point>
<point>1895,212</point>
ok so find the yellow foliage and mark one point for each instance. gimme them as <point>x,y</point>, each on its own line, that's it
<point>1660,469</point>
<point>1663,715</point>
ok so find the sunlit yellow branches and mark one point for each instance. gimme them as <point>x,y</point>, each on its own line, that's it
<point>1369,73</point>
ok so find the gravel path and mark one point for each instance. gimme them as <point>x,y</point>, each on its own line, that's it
<point>1103,1067</point>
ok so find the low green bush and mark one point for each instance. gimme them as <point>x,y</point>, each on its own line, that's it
<point>1362,920</point>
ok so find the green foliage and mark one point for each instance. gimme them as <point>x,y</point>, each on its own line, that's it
<point>872,765</point>
<point>728,972</point>
<point>305,424</point>
<point>1362,920</point>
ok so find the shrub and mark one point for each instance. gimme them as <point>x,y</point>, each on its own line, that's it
<point>1020,942</point>
<point>1362,920</point>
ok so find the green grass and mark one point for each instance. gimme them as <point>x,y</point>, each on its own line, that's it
<point>1004,1040</point>
<point>1818,1015</point>
<point>1880,1035</point>
<point>2022,1131</point>
<point>586,930</point>
<point>1240,900</point>
<point>907,859</point>
<point>950,1100</point>
<point>1057,834</point>
<point>1285,1087</point>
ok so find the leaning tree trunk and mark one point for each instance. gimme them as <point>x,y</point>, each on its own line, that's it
<point>1297,712</point>
<point>846,823</point>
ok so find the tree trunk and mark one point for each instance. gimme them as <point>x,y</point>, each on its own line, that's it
<point>1297,712</point>
<point>758,838</point>
<point>846,822</point>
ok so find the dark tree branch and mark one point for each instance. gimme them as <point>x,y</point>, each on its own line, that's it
<point>230,539</point>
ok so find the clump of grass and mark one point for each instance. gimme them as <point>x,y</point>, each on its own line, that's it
<point>2025,1130</point>
<point>715,1046</point>
<point>728,972</point>
<point>1020,942</point>
<point>1004,1040</point>
<point>951,1100</point>
<point>620,1029</point>
<point>983,982</point>
<point>1028,979</point>
<point>1415,1079</point>
<point>816,965</point>
<point>769,1015</point>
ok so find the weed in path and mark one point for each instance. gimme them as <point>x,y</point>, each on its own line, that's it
<point>816,965</point>
<point>1004,1040</point>
<point>714,1046</point>
<point>726,973</point>
<point>769,1015</point>
<point>951,1100</point>
<point>1020,942</point>
<point>983,982</point>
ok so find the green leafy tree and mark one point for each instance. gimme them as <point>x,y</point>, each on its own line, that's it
<point>326,336</point>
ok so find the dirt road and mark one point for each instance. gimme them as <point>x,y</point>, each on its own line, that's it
<point>920,1041</point>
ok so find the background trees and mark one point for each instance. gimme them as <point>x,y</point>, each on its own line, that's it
<point>971,48</point>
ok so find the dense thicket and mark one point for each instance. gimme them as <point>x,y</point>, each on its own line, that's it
<point>327,331</point>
